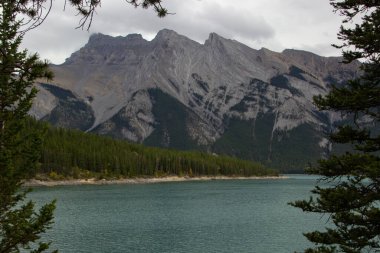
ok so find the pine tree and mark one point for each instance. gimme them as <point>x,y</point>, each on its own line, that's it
<point>352,197</point>
<point>20,224</point>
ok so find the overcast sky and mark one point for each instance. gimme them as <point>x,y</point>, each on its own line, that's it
<point>274,24</point>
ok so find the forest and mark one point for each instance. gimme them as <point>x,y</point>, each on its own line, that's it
<point>70,153</point>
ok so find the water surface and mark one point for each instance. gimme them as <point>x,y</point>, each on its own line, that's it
<point>206,216</point>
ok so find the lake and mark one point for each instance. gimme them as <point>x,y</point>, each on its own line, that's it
<point>205,216</point>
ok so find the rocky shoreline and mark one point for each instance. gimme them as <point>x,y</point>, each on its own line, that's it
<point>93,181</point>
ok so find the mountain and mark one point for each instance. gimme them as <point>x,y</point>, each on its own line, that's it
<point>221,96</point>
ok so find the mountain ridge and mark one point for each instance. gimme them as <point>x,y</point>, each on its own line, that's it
<point>211,88</point>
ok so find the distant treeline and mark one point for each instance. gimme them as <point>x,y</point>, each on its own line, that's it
<point>72,153</point>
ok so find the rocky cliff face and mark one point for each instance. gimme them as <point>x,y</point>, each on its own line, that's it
<point>220,96</point>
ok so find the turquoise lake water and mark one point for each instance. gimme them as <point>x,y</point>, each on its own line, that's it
<point>208,216</point>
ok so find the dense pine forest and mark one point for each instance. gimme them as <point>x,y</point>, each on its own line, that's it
<point>74,154</point>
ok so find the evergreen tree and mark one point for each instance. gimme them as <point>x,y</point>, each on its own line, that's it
<point>352,195</point>
<point>20,224</point>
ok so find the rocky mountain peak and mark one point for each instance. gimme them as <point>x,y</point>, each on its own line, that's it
<point>213,36</point>
<point>168,45</point>
<point>214,39</point>
<point>304,58</point>
<point>166,34</point>
<point>222,95</point>
<point>101,40</point>
<point>101,48</point>
<point>325,67</point>
<point>98,39</point>
<point>134,36</point>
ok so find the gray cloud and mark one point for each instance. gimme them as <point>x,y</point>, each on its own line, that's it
<point>322,49</point>
<point>275,24</point>
<point>57,37</point>
<point>196,22</point>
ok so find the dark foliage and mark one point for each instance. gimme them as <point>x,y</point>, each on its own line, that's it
<point>75,154</point>
<point>20,224</point>
<point>352,199</point>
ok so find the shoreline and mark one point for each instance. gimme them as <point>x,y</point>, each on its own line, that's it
<point>93,181</point>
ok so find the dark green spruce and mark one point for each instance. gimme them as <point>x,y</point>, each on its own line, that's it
<point>21,225</point>
<point>351,198</point>
<point>74,154</point>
